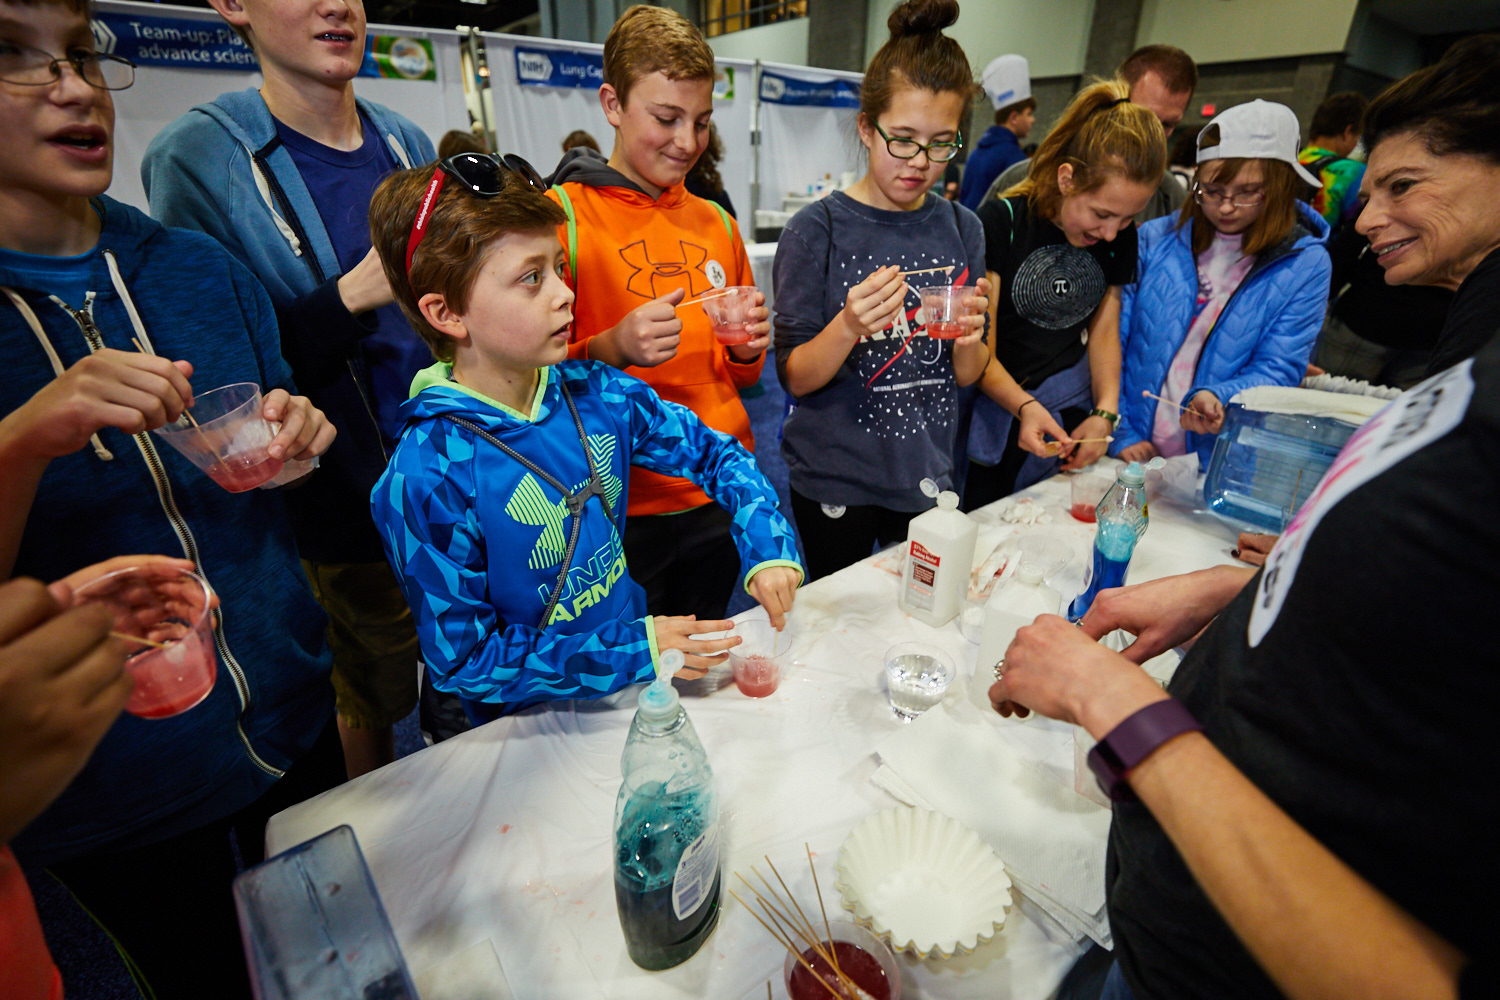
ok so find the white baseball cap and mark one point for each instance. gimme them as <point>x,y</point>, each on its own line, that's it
<point>1259,130</point>
<point>1007,80</point>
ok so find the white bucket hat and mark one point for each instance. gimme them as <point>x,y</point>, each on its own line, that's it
<point>1007,80</point>
<point>1259,130</point>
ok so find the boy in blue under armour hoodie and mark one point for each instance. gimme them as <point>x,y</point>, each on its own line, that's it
<point>104,317</point>
<point>282,176</point>
<point>503,505</point>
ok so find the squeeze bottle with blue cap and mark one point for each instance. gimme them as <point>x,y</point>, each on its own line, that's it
<point>939,559</point>
<point>666,831</point>
<point>1122,517</point>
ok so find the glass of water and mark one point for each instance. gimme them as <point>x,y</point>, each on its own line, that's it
<point>917,676</point>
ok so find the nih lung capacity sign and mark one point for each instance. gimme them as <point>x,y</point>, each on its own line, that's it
<point>559,68</point>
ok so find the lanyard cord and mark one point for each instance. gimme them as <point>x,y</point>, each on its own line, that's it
<point>574,500</point>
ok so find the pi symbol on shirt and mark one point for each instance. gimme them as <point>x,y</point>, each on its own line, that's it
<point>1061,287</point>
<point>714,271</point>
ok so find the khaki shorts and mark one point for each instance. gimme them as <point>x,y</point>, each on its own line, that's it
<point>374,641</point>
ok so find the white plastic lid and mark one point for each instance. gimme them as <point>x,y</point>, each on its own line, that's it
<point>947,500</point>
<point>1132,474</point>
<point>660,701</point>
<point>929,487</point>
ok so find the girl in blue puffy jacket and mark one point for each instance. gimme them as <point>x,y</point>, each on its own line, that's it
<point>1229,295</point>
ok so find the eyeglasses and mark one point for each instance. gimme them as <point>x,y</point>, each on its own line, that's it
<point>1239,199</point>
<point>903,148</point>
<point>481,174</point>
<point>29,67</point>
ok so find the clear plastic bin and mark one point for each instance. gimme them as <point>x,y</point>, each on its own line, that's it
<point>314,929</point>
<point>1266,465</point>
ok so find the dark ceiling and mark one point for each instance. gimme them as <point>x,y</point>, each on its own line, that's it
<point>488,15</point>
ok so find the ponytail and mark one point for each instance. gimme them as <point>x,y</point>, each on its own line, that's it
<point>1102,135</point>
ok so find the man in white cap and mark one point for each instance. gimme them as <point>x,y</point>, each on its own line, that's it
<point>1007,82</point>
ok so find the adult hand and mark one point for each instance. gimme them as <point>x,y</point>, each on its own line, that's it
<point>760,332</point>
<point>1141,451</point>
<point>973,320</point>
<point>676,632</point>
<point>1036,423</point>
<point>1253,548</point>
<point>1166,612</point>
<point>128,390</point>
<point>1091,451</point>
<point>364,286</point>
<point>61,687</point>
<point>1204,415</point>
<point>775,588</point>
<point>1051,667</point>
<point>873,304</point>
<point>305,431</point>
<point>649,334</point>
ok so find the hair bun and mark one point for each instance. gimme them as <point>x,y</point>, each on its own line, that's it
<point>922,17</point>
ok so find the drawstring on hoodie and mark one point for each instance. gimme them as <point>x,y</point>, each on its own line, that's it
<point>57,366</point>
<point>130,310</point>
<point>264,187</point>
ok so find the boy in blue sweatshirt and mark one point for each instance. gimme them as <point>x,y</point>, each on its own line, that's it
<point>142,835</point>
<point>502,507</point>
<point>282,177</point>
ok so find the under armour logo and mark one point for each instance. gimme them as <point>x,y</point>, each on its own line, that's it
<point>1061,287</point>
<point>643,280</point>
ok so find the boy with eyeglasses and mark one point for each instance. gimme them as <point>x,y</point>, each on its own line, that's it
<point>503,507</point>
<point>102,324</point>
<point>639,246</point>
<point>282,177</point>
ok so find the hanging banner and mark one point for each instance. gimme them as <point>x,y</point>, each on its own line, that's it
<point>186,43</point>
<point>559,68</point>
<point>172,41</point>
<point>778,89</point>
<point>724,83</point>
<point>398,57</point>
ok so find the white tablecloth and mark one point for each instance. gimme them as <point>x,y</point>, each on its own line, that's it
<point>492,851</point>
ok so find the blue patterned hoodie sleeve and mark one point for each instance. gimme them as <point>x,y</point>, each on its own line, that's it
<point>672,440</point>
<point>424,510</point>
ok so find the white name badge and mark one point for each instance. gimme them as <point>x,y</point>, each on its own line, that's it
<point>1411,422</point>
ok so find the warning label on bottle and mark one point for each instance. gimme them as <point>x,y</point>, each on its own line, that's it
<point>696,871</point>
<point>923,574</point>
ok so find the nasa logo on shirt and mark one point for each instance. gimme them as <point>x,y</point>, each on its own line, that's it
<point>715,273</point>
<point>1411,422</point>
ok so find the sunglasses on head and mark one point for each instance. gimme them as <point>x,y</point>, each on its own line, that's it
<point>481,174</point>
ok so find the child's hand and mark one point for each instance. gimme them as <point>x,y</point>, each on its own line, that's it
<point>760,332</point>
<point>305,431</point>
<point>873,304</point>
<point>1098,430</point>
<point>979,304</point>
<point>1141,451</point>
<point>649,334</point>
<point>131,391</point>
<point>775,587</point>
<point>1204,415</point>
<point>677,632</point>
<point>1036,423</point>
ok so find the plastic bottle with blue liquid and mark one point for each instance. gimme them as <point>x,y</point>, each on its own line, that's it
<point>1122,517</point>
<point>667,878</point>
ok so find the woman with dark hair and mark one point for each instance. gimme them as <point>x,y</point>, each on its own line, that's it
<point>1308,809</point>
<point>704,180</point>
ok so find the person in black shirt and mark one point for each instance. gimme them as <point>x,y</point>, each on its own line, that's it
<point>1060,249</point>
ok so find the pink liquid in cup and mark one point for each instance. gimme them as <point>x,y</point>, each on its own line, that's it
<point>944,330</point>
<point>944,307</point>
<point>728,311</point>
<point>757,676</point>
<point>1083,512</point>
<point>733,333</point>
<point>168,606</point>
<point>245,471</point>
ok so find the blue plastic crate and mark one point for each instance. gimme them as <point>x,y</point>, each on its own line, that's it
<point>1266,465</point>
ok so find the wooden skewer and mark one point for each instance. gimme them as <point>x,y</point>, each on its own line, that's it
<point>704,298</point>
<point>1152,395</point>
<point>144,642</point>
<point>1056,446</point>
<point>188,413</point>
<point>827,928</point>
<point>928,270</point>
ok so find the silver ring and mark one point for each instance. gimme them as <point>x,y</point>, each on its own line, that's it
<point>1000,670</point>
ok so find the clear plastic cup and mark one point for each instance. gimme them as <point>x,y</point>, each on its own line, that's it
<point>802,983</point>
<point>760,659</point>
<point>944,306</point>
<point>728,310</point>
<point>174,667</point>
<point>916,676</point>
<point>1088,489</point>
<point>230,441</point>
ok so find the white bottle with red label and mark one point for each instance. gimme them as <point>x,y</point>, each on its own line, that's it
<point>939,558</point>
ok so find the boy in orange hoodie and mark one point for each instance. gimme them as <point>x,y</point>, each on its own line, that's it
<point>638,246</point>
